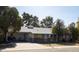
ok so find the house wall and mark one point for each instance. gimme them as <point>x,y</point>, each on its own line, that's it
<point>22,36</point>
<point>41,37</point>
<point>29,37</point>
<point>37,38</point>
<point>19,36</point>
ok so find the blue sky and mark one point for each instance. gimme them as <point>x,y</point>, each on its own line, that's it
<point>66,13</point>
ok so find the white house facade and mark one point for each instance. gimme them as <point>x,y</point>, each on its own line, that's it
<point>33,34</point>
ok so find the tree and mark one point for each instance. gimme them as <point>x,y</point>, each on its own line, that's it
<point>42,24</point>
<point>78,27</point>
<point>47,22</point>
<point>9,16</point>
<point>27,19</point>
<point>35,22</point>
<point>58,28</point>
<point>30,20</point>
<point>73,31</point>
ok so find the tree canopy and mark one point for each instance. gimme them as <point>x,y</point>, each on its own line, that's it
<point>77,25</point>
<point>73,31</point>
<point>47,22</point>
<point>9,16</point>
<point>30,20</point>
<point>58,27</point>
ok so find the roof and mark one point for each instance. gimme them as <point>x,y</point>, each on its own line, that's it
<point>36,30</point>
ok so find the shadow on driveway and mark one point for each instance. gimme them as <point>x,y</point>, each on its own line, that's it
<point>7,45</point>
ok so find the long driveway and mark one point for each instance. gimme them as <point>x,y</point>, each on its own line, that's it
<point>26,46</point>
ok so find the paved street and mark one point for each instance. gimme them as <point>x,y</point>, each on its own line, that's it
<point>33,47</point>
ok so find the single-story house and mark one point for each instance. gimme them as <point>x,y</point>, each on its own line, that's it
<point>35,34</point>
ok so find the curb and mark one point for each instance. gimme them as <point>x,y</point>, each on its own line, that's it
<point>67,47</point>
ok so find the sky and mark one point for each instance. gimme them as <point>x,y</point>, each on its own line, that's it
<point>66,13</point>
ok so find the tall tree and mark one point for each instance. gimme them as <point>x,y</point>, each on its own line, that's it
<point>30,20</point>
<point>73,31</point>
<point>58,28</point>
<point>35,21</point>
<point>27,19</point>
<point>78,27</point>
<point>47,22</point>
<point>9,16</point>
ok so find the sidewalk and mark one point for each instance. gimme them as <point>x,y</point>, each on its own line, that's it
<point>67,45</point>
<point>35,46</point>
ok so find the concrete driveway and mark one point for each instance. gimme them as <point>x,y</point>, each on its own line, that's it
<point>26,46</point>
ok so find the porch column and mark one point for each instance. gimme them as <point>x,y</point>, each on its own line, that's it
<point>32,37</point>
<point>45,38</point>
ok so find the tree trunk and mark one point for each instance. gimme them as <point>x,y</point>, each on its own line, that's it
<point>58,38</point>
<point>5,37</point>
